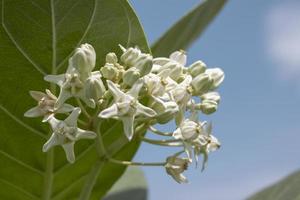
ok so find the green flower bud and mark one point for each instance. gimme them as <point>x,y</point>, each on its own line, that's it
<point>131,76</point>
<point>210,102</point>
<point>176,70</point>
<point>144,64</point>
<point>94,87</point>
<point>109,71</point>
<point>201,84</point>
<point>208,106</point>
<point>217,75</point>
<point>130,56</point>
<point>197,68</point>
<point>111,58</point>
<point>84,60</point>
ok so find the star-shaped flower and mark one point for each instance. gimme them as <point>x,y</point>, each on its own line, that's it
<point>45,107</point>
<point>66,133</point>
<point>126,106</point>
<point>71,85</point>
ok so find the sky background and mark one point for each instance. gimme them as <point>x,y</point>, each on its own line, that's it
<point>257,44</point>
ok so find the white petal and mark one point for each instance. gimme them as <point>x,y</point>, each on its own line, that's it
<point>37,95</point>
<point>33,112</point>
<point>65,108</point>
<point>128,126</point>
<point>164,73</point>
<point>69,150</point>
<point>116,92</point>
<point>53,122</point>
<point>135,89</point>
<point>179,56</point>
<point>71,120</point>
<point>63,96</point>
<point>177,134</point>
<point>187,81</point>
<point>47,117</point>
<point>53,141</point>
<point>89,102</point>
<point>83,134</point>
<point>143,110</point>
<point>57,79</point>
<point>109,112</point>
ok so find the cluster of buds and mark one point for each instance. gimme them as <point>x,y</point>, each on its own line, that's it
<point>134,89</point>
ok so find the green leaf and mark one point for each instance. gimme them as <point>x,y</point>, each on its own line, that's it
<point>286,189</point>
<point>132,185</point>
<point>183,33</point>
<point>36,38</point>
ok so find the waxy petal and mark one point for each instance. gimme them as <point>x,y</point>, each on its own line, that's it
<point>34,112</point>
<point>128,126</point>
<point>116,92</point>
<point>109,112</point>
<point>83,134</point>
<point>53,141</point>
<point>143,110</point>
<point>37,95</point>
<point>57,79</point>
<point>135,89</point>
<point>69,150</point>
<point>179,56</point>
<point>71,120</point>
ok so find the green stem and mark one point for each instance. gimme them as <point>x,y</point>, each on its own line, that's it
<point>154,130</point>
<point>129,163</point>
<point>170,143</point>
<point>83,108</point>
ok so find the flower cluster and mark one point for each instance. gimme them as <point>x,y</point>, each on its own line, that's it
<point>135,89</point>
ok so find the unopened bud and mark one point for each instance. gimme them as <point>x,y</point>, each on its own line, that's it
<point>208,106</point>
<point>144,64</point>
<point>130,56</point>
<point>217,75</point>
<point>167,113</point>
<point>131,76</point>
<point>84,60</point>
<point>94,88</point>
<point>111,58</point>
<point>109,71</point>
<point>197,68</point>
<point>201,84</point>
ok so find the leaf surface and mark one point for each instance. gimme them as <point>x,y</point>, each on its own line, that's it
<point>37,38</point>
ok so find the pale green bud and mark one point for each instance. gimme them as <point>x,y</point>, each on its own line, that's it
<point>131,76</point>
<point>201,84</point>
<point>84,60</point>
<point>144,64</point>
<point>217,75</point>
<point>176,70</point>
<point>130,56</point>
<point>109,71</point>
<point>208,106</point>
<point>111,58</point>
<point>94,87</point>
<point>197,68</point>
<point>210,102</point>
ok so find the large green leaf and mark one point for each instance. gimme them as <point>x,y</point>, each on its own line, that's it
<point>132,185</point>
<point>36,38</point>
<point>286,189</point>
<point>182,34</point>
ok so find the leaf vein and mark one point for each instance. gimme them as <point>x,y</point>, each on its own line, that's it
<point>16,119</point>
<point>17,45</point>
<point>21,162</point>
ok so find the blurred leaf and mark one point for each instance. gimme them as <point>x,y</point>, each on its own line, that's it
<point>183,33</point>
<point>286,189</point>
<point>37,38</point>
<point>132,185</point>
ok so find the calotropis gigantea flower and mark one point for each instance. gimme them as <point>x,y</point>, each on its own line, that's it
<point>126,106</point>
<point>66,133</point>
<point>175,166</point>
<point>205,144</point>
<point>187,130</point>
<point>45,105</point>
<point>71,85</point>
<point>175,63</point>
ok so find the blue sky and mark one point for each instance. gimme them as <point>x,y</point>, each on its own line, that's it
<point>257,44</point>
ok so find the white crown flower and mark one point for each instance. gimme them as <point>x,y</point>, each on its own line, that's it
<point>141,92</point>
<point>126,106</point>
<point>45,107</point>
<point>66,133</point>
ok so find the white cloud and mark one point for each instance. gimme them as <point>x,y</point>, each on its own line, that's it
<point>282,26</point>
